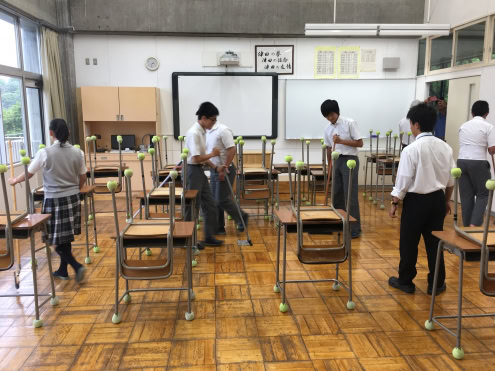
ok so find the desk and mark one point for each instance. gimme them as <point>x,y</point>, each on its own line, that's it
<point>288,221</point>
<point>457,245</point>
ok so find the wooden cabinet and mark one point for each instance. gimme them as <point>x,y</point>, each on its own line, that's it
<point>137,104</point>
<point>104,103</point>
<point>100,103</point>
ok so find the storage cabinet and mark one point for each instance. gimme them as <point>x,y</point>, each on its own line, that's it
<point>105,103</point>
<point>100,103</point>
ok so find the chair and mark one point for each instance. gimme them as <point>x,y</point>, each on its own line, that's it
<point>150,234</point>
<point>385,166</point>
<point>318,219</point>
<point>104,171</point>
<point>24,226</point>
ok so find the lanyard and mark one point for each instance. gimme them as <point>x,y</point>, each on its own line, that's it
<point>423,136</point>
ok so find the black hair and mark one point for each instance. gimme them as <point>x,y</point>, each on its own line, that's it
<point>60,129</point>
<point>207,109</point>
<point>480,108</point>
<point>330,106</point>
<point>424,115</point>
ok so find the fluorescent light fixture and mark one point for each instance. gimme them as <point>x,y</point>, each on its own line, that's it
<point>370,29</point>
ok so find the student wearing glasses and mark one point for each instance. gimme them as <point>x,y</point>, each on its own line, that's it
<point>196,178</point>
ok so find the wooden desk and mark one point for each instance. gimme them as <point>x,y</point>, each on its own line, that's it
<point>457,245</point>
<point>252,158</point>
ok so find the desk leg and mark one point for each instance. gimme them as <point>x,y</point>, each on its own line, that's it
<point>457,352</point>
<point>376,185</point>
<point>54,299</point>
<point>366,178</point>
<point>86,229</point>
<point>277,201</point>
<point>96,248</point>
<point>382,205</point>
<point>37,322</point>
<point>370,198</point>
<point>283,305</point>
<point>276,288</point>
<point>429,322</point>
<point>347,240</point>
<point>190,293</point>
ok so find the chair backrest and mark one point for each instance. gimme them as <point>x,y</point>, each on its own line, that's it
<point>487,279</point>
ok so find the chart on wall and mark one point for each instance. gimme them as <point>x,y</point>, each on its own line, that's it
<point>376,105</point>
<point>248,102</point>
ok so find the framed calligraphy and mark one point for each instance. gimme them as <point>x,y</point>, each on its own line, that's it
<point>275,58</point>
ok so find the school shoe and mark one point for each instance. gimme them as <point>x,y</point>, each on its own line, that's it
<point>394,282</point>
<point>80,274</point>
<point>200,246</point>
<point>439,289</point>
<point>212,242</point>
<point>61,276</point>
<point>355,235</point>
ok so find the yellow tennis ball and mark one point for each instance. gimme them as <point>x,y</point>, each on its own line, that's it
<point>3,168</point>
<point>456,172</point>
<point>22,152</point>
<point>41,146</point>
<point>112,185</point>
<point>288,158</point>
<point>128,173</point>
<point>351,164</point>
<point>25,160</point>
<point>151,151</point>
<point>141,156</point>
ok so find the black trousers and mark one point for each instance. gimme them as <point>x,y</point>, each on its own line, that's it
<point>421,214</point>
<point>66,258</point>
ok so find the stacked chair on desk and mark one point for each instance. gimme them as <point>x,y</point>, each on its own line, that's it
<point>163,234</point>
<point>24,225</point>
<point>256,183</point>
<point>109,171</point>
<point>462,241</point>
<point>317,219</point>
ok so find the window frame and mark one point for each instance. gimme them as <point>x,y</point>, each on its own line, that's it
<point>455,40</point>
<point>28,79</point>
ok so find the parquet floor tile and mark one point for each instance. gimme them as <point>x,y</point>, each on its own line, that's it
<point>238,325</point>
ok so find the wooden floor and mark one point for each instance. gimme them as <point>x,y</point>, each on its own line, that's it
<point>238,325</point>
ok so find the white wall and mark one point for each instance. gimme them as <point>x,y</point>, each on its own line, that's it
<point>456,12</point>
<point>121,63</point>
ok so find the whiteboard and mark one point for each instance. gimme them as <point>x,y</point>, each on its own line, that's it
<point>376,105</point>
<point>248,102</point>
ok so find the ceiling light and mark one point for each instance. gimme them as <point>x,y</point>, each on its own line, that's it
<point>369,29</point>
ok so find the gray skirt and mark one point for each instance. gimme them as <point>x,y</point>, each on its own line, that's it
<point>65,222</point>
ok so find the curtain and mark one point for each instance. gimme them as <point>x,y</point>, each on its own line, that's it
<point>53,89</point>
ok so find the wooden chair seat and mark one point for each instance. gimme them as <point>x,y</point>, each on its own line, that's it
<point>151,272</point>
<point>103,189</point>
<point>165,191</point>
<point>319,254</point>
<point>255,170</point>
<point>319,215</point>
<point>143,229</point>
<point>478,236</point>
<point>4,260</point>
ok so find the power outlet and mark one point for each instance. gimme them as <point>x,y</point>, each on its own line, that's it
<point>95,61</point>
<point>87,61</point>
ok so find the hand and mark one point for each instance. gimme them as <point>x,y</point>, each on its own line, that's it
<point>221,176</point>
<point>392,211</point>
<point>12,181</point>
<point>448,210</point>
<point>336,139</point>
<point>215,152</point>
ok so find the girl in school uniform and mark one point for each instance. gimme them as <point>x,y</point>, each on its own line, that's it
<point>64,173</point>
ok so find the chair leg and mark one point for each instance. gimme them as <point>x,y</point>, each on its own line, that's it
<point>96,248</point>
<point>458,352</point>
<point>37,322</point>
<point>189,314</point>
<point>54,300</point>
<point>86,229</point>
<point>276,288</point>
<point>283,305</point>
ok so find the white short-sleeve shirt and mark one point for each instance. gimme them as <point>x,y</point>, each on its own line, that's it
<point>346,129</point>
<point>219,136</point>
<point>195,142</point>
<point>405,127</point>
<point>475,137</point>
<point>424,167</point>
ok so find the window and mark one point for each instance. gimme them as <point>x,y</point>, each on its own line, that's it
<point>30,46</point>
<point>21,119</point>
<point>441,53</point>
<point>13,123</point>
<point>469,44</point>
<point>8,41</point>
<point>421,57</point>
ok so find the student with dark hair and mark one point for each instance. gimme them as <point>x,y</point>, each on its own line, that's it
<point>342,135</point>
<point>64,173</point>
<point>476,138</point>
<point>196,178</point>
<point>425,185</point>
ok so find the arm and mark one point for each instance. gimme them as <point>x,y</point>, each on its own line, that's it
<point>82,180</point>
<point>230,156</point>
<point>348,142</point>
<point>491,150</point>
<point>205,158</point>
<point>19,179</point>
<point>405,176</point>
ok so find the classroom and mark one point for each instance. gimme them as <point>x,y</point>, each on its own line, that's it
<point>247,185</point>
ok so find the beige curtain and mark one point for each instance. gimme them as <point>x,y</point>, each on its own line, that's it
<point>53,89</point>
